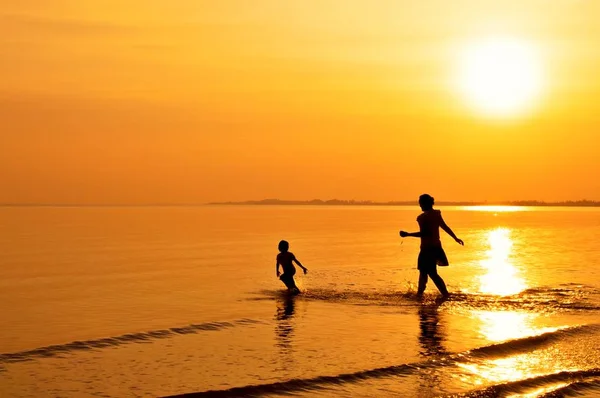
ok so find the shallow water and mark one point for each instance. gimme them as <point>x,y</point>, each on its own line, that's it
<point>150,301</point>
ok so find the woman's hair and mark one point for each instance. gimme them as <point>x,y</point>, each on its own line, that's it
<point>426,201</point>
<point>283,246</point>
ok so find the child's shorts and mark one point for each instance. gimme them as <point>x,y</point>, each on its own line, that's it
<point>288,280</point>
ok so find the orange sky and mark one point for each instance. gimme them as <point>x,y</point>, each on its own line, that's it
<point>190,101</point>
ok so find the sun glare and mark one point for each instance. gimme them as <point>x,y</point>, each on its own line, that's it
<point>502,326</point>
<point>500,76</point>
<point>501,277</point>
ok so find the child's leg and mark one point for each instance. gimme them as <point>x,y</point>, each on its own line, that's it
<point>289,282</point>
<point>286,280</point>
<point>439,282</point>
<point>422,282</point>
<point>292,285</point>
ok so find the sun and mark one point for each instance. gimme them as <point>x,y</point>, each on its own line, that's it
<point>500,76</point>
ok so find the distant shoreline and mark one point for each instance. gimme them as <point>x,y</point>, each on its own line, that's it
<point>319,202</point>
<point>337,202</point>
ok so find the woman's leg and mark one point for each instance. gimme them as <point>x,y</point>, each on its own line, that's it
<point>422,282</point>
<point>439,282</point>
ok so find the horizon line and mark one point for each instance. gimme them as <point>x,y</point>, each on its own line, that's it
<point>328,202</point>
<point>350,202</point>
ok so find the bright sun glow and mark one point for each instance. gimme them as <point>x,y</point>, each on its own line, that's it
<point>500,76</point>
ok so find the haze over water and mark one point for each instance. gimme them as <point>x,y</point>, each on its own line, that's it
<point>140,103</point>
<point>153,301</point>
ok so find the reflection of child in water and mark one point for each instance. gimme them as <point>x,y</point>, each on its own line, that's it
<point>286,260</point>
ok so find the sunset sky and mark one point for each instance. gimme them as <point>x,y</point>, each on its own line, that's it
<point>192,101</point>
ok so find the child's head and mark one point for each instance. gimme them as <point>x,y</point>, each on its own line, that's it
<point>426,202</point>
<point>283,246</point>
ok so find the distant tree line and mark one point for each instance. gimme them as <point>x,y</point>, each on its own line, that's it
<point>340,202</point>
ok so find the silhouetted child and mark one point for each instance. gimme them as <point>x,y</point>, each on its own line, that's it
<point>432,254</point>
<point>286,260</point>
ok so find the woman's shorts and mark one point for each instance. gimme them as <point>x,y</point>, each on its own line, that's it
<point>429,257</point>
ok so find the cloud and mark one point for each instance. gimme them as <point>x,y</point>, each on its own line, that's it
<point>33,24</point>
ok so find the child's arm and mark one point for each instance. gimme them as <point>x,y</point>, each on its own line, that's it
<point>446,228</point>
<point>300,265</point>
<point>277,268</point>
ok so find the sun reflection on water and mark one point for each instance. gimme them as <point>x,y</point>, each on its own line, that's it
<point>502,370</point>
<point>505,325</point>
<point>497,370</point>
<point>501,276</point>
<point>508,324</point>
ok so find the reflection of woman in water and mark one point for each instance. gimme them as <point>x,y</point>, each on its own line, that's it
<point>432,254</point>
<point>431,337</point>
<point>431,340</point>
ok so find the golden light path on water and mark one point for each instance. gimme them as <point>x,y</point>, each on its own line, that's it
<point>501,278</point>
<point>505,325</point>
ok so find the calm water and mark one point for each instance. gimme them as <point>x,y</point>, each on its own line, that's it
<point>153,301</point>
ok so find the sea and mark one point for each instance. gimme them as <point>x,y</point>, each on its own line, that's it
<point>170,301</point>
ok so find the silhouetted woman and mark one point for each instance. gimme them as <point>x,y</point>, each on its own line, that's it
<point>431,254</point>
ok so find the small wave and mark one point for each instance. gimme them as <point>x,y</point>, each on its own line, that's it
<point>379,298</point>
<point>142,337</point>
<point>575,380</point>
<point>316,383</point>
<point>562,288</point>
<point>543,299</point>
<point>575,388</point>
<point>528,343</point>
<point>321,382</point>
<point>546,300</point>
